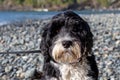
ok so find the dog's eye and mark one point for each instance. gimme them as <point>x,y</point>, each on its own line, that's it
<point>57,31</point>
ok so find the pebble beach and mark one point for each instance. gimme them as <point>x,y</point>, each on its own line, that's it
<point>27,36</point>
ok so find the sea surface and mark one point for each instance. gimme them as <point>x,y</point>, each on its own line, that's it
<point>12,16</point>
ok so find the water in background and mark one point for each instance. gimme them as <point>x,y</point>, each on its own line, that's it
<point>11,16</point>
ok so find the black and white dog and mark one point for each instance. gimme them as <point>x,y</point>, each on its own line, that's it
<point>66,45</point>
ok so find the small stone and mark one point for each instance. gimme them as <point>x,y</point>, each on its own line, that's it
<point>96,53</point>
<point>22,75</point>
<point>19,71</point>
<point>24,33</point>
<point>117,42</point>
<point>109,71</point>
<point>4,77</point>
<point>110,48</point>
<point>21,41</point>
<point>25,58</point>
<point>5,61</point>
<point>112,78</point>
<point>27,39</point>
<point>1,74</point>
<point>24,47</point>
<point>8,69</point>
<point>109,63</point>
<point>31,45</point>
<point>30,73</point>
<point>13,73</point>
<point>118,37</point>
<point>100,78</point>
<point>29,60</point>
<point>1,71</point>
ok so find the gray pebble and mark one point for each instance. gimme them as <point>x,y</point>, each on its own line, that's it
<point>8,69</point>
<point>30,73</point>
<point>5,61</point>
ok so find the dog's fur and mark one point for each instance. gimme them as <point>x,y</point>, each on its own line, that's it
<point>66,45</point>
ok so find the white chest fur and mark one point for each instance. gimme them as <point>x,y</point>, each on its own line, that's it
<point>77,72</point>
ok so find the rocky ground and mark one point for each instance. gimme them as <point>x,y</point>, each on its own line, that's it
<point>26,36</point>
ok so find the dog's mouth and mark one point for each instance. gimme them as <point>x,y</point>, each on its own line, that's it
<point>69,55</point>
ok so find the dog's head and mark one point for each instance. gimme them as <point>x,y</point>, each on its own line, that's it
<point>66,38</point>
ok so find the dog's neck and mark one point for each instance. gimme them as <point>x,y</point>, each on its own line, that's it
<point>75,71</point>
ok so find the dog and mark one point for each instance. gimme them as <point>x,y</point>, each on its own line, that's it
<point>66,45</point>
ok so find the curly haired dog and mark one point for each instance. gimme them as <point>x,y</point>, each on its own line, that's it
<point>66,45</point>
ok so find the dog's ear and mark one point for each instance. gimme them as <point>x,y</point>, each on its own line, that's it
<point>87,37</point>
<point>44,45</point>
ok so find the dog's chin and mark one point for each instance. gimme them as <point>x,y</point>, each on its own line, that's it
<point>66,56</point>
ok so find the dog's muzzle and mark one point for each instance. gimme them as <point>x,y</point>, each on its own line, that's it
<point>66,51</point>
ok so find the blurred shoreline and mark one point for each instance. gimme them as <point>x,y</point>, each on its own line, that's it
<point>7,17</point>
<point>58,5</point>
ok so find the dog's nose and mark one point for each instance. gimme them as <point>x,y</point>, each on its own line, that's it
<point>66,44</point>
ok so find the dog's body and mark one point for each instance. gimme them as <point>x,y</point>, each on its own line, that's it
<point>66,45</point>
